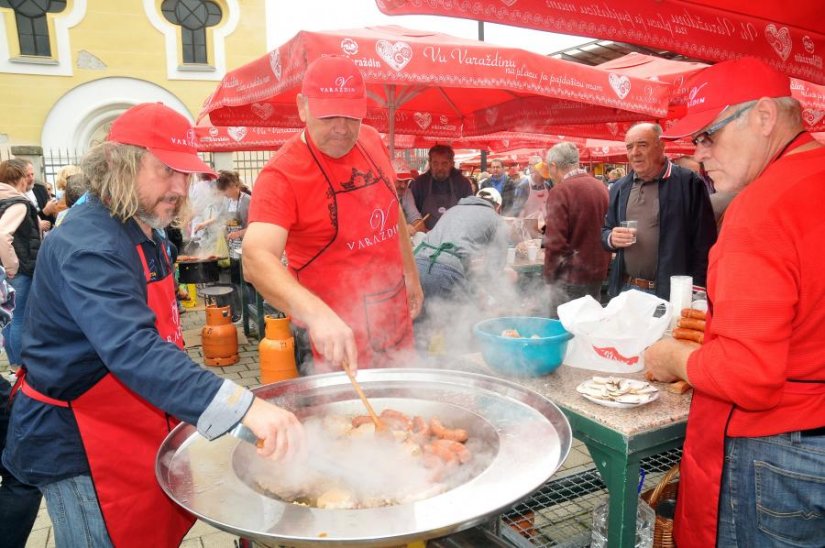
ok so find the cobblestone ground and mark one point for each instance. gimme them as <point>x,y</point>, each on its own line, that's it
<point>245,372</point>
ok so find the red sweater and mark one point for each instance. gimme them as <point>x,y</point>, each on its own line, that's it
<point>766,282</point>
<point>572,238</point>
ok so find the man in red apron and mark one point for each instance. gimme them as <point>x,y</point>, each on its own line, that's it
<point>533,190</point>
<point>328,198</point>
<point>103,372</point>
<point>753,470</point>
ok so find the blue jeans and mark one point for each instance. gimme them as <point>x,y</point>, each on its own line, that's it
<point>773,491</point>
<point>13,333</point>
<point>75,513</point>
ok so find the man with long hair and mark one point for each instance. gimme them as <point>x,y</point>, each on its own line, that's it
<point>103,366</point>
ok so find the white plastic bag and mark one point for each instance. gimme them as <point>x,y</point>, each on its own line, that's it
<point>613,338</point>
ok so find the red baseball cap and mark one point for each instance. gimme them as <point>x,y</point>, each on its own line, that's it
<point>724,84</point>
<point>162,131</point>
<point>334,87</point>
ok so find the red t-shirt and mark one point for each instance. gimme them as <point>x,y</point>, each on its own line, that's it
<point>291,192</point>
<point>766,283</point>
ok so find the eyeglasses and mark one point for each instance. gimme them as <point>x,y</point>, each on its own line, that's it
<point>705,138</point>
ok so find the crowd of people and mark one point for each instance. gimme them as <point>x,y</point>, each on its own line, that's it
<point>327,238</point>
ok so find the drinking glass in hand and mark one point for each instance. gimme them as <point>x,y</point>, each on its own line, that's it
<point>633,226</point>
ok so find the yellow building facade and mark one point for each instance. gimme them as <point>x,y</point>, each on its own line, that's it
<point>69,68</point>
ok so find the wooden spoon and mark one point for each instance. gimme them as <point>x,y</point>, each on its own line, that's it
<point>379,424</point>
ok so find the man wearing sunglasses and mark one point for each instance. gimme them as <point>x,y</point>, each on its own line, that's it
<point>753,470</point>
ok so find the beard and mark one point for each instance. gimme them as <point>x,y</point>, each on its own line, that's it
<point>146,213</point>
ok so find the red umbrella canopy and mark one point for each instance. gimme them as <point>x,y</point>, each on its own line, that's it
<point>811,96</point>
<point>209,138</point>
<point>788,35</point>
<point>425,83</point>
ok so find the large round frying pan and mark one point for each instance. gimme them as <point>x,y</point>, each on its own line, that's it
<point>526,435</point>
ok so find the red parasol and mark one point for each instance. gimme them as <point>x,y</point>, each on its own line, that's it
<point>788,35</point>
<point>431,84</point>
<point>811,96</point>
<point>211,138</point>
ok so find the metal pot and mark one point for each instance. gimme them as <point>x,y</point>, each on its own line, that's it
<point>528,438</point>
<point>198,271</point>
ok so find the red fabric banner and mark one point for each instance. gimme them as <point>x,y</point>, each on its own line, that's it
<point>788,35</point>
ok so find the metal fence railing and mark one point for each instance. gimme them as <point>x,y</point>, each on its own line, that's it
<point>249,163</point>
<point>56,159</point>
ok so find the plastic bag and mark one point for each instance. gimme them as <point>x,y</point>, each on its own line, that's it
<point>613,338</point>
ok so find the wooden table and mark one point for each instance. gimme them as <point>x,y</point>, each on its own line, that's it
<point>616,438</point>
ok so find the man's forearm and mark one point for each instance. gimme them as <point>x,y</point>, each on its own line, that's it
<point>278,287</point>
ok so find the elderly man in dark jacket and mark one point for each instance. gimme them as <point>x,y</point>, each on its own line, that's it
<point>675,220</point>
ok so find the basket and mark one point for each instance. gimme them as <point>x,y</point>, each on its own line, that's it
<point>667,489</point>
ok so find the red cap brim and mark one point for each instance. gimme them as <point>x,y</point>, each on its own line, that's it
<point>183,162</point>
<point>338,107</point>
<point>691,124</point>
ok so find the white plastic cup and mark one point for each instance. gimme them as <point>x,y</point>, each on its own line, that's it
<point>532,253</point>
<point>633,226</point>
<point>681,296</point>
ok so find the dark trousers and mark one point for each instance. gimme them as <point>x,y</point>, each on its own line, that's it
<point>19,503</point>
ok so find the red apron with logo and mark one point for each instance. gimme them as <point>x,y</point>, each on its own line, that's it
<point>359,273</point>
<point>697,507</point>
<point>121,434</point>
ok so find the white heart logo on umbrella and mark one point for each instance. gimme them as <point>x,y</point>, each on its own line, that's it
<point>620,84</point>
<point>423,119</point>
<point>779,39</point>
<point>396,55</point>
<point>509,3</point>
<point>262,110</point>
<point>237,133</point>
<point>275,63</point>
<point>812,116</point>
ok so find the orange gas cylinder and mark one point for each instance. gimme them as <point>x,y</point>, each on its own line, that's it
<point>277,351</point>
<point>219,337</point>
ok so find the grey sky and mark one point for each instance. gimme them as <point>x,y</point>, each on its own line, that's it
<point>288,17</point>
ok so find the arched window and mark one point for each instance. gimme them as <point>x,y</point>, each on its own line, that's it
<point>193,17</point>
<point>32,24</point>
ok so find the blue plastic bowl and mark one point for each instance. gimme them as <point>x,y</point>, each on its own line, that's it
<point>524,356</point>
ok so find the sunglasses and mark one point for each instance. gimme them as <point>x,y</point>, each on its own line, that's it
<point>705,138</point>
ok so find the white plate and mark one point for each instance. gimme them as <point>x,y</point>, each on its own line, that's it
<point>611,403</point>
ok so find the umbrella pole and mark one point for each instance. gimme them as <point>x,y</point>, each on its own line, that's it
<point>391,104</point>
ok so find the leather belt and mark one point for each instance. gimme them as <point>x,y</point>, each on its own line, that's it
<point>640,282</point>
<point>813,432</point>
